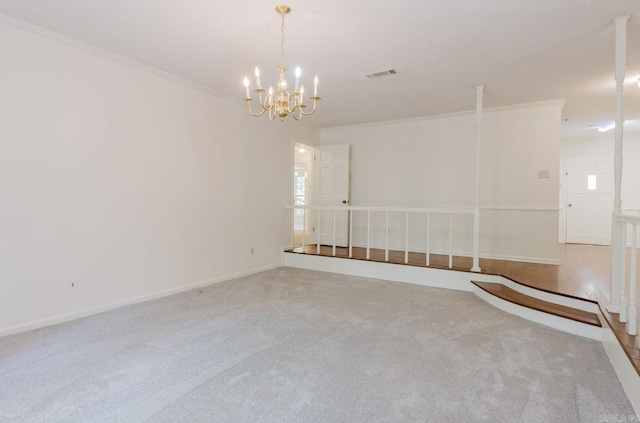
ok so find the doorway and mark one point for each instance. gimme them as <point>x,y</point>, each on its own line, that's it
<point>302,181</point>
<point>589,199</point>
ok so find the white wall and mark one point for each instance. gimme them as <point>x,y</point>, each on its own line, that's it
<point>129,183</point>
<point>431,163</point>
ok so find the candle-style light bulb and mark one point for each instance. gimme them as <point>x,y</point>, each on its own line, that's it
<point>315,86</point>
<point>301,94</point>
<point>298,73</point>
<point>271,99</point>
<point>246,86</point>
<point>258,78</point>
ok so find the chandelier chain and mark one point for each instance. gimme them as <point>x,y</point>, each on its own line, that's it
<point>282,41</point>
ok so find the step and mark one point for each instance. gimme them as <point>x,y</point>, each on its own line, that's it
<point>512,296</point>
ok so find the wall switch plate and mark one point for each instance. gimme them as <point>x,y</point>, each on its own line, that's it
<point>543,174</point>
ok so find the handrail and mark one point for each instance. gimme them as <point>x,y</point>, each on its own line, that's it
<point>627,218</point>
<point>385,209</point>
<point>381,209</point>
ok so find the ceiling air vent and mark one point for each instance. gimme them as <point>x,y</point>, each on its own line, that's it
<point>382,73</point>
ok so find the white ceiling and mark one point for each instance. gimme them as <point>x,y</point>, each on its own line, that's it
<point>521,50</point>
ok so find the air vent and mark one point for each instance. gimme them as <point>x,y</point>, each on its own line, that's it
<point>382,73</point>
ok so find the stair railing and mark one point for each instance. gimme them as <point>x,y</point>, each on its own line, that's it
<point>407,211</point>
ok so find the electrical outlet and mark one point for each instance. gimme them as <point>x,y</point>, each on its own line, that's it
<point>543,174</point>
<point>253,251</point>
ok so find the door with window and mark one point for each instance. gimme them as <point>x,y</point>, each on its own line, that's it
<point>589,205</point>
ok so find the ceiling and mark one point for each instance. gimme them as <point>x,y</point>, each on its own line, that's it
<point>521,51</point>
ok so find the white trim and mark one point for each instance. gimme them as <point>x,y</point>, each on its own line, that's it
<point>627,375</point>
<point>385,209</point>
<point>439,278</point>
<point>444,115</point>
<point>36,324</point>
<point>448,279</point>
<point>515,207</point>
<point>467,209</point>
<point>89,48</point>
<point>602,296</point>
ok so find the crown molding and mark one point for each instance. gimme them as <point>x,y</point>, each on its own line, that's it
<point>106,54</point>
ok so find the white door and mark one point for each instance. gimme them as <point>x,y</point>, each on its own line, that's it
<point>589,199</point>
<point>331,181</point>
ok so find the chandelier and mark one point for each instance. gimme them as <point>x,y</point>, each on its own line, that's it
<point>282,103</point>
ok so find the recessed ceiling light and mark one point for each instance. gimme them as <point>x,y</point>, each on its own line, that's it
<point>606,126</point>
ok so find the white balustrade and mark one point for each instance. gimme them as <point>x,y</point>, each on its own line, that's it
<point>628,291</point>
<point>407,211</point>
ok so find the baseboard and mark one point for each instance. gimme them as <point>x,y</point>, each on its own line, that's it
<point>425,276</point>
<point>36,324</point>
<point>602,297</point>
<point>629,378</point>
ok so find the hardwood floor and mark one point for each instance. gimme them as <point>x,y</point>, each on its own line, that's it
<point>508,294</point>
<point>583,270</point>
<point>582,267</point>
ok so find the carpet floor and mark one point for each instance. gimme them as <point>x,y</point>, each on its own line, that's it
<point>292,345</point>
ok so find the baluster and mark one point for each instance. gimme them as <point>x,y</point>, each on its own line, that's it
<point>368,234</point>
<point>386,240</point>
<point>427,255</point>
<point>318,234</point>
<point>406,238</point>
<point>631,330</point>
<point>450,240</point>
<point>476,240</point>
<point>350,233</point>
<point>624,311</point>
<point>304,228</point>
<point>334,232</point>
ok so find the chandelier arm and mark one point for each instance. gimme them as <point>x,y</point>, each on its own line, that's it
<point>315,104</point>
<point>248,100</point>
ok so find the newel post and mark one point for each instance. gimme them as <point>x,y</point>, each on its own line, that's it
<point>476,210</point>
<point>617,248</point>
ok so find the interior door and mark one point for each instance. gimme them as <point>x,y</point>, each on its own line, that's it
<point>331,180</point>
<point>589,199</point>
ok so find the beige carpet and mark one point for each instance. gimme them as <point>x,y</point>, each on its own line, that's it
<point>290,345</point>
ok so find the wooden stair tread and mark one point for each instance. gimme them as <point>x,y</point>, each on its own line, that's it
<point>516,297</point>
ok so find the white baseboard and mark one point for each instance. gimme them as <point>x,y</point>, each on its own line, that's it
<point>629,378</point>
<point>36,324</point>
<point>425,276</point>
